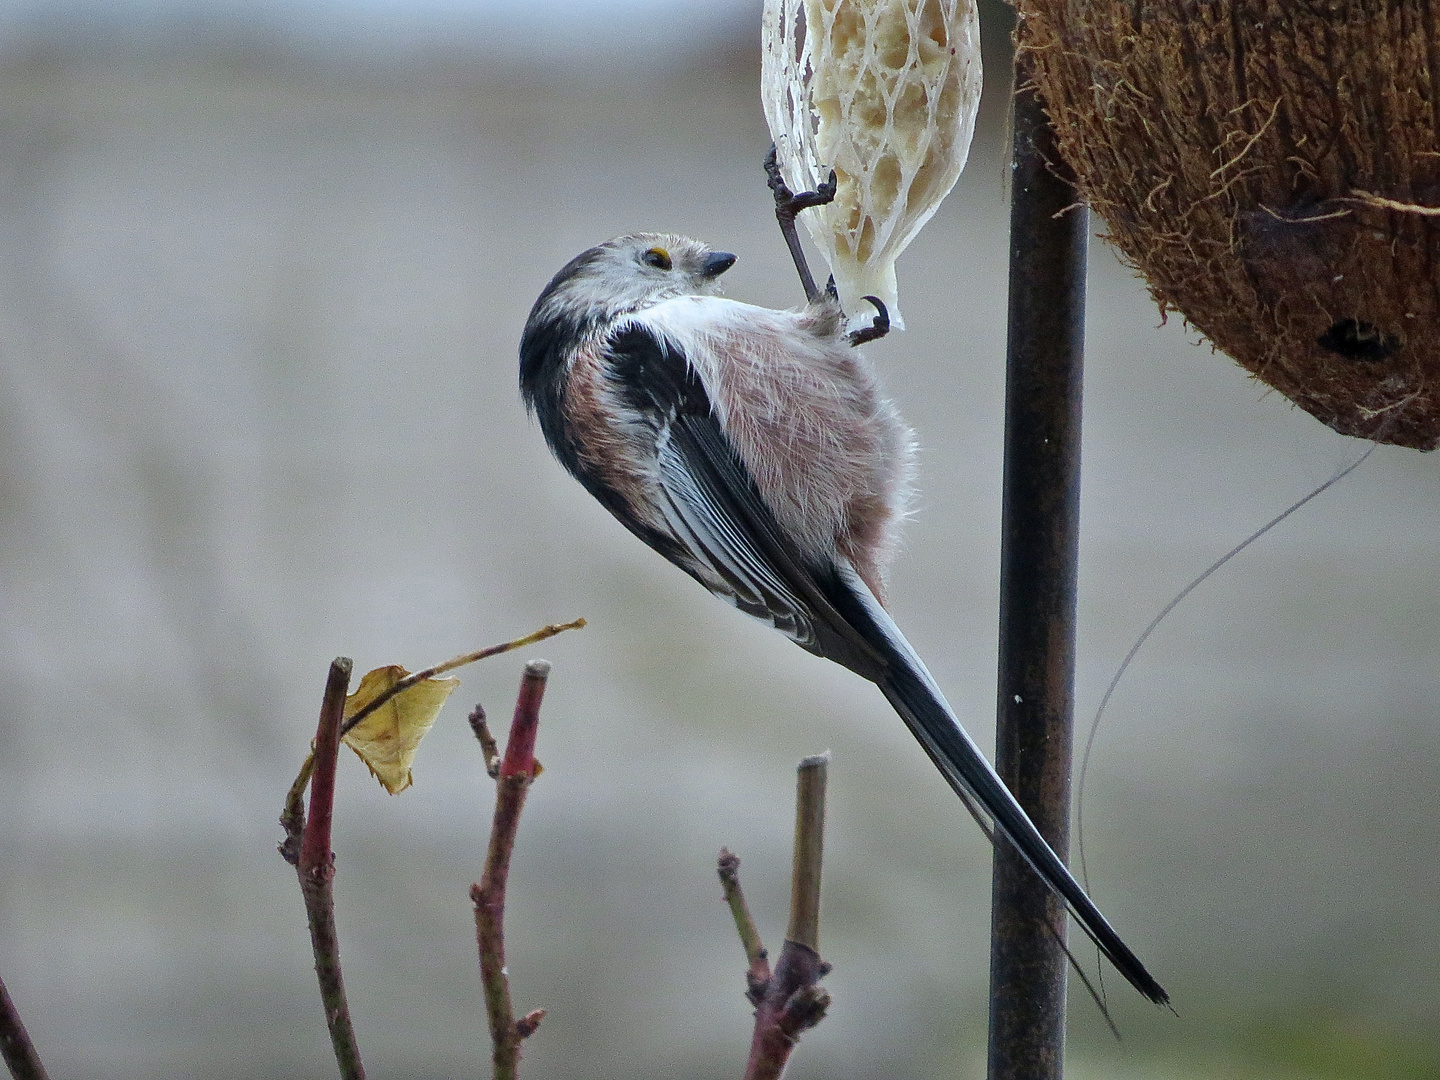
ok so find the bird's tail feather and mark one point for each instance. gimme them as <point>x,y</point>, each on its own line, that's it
<point>912,691</point>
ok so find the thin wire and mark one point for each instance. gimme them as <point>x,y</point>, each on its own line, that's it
<point>1145,635</point>
<point>1134,649</point>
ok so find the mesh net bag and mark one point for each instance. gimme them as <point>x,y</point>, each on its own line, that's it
<point>885,93</point>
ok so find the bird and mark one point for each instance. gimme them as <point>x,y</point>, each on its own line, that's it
<point>753,448</point>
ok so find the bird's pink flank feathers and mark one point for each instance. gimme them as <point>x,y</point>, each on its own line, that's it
<point>830,456</point>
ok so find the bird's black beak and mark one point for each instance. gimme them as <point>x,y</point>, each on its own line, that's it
<point>716,263</point>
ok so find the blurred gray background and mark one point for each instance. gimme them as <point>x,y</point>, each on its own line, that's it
<point>263,269</point>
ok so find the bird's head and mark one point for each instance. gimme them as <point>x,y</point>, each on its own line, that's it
<point>630,273</point>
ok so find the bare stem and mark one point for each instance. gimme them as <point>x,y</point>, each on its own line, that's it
<point>516,771</point>
<point>488,746</point>
<point>292,818</point>
<point>809,851</point>
<point>792,1001</point>
<point>316,870</point>
<point>15,1045</point>
<point>460,661</point>
<point>757,977</point>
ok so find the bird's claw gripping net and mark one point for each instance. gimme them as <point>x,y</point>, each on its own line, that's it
<point>884,92</point>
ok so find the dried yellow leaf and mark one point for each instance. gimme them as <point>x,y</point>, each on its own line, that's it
<point>387,739</point>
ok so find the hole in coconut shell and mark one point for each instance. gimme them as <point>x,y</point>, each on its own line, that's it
<point>1357,340</point>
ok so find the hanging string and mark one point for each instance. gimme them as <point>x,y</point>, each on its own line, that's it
<point>1150,629</point>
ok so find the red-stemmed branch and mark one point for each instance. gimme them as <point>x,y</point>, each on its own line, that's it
<point>307,845</point>
<point>788,1000</point>
<point>512,781</point>
<point>15,1045</point>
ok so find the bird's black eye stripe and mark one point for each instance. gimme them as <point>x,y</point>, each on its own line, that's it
<point>657,257</point>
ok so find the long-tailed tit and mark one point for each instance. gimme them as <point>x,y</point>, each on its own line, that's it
<point>752,448</point>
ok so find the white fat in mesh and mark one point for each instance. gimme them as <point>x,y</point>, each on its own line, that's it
<point>885,93</point>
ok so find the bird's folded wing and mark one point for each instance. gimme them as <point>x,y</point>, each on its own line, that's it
<point>715,508</point>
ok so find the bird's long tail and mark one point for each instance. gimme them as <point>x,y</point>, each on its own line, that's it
<point>913,693</point>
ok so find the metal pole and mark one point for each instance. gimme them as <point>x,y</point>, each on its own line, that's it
<point>1038,557</point>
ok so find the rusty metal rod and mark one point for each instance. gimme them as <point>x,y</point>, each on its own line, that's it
<point>1038,557</point>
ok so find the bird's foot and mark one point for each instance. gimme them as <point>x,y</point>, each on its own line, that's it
<point>787,205</point>
<point>879,325</point>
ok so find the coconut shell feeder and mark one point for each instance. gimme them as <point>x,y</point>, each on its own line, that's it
<point>1272,167</point>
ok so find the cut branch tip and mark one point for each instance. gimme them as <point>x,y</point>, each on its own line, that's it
<point>814,761</point>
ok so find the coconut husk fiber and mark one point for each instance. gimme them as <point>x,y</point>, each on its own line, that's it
<point>1272,167</point>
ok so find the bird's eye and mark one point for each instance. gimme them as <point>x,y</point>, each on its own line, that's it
<point>657,257</point>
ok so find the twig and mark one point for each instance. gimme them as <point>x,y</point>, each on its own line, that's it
<point>488,746</point>
<point>15,1045</point>
<point>809,852</point>
<point>516,771</point>
<point>460,661</point>
<point>292,818</point>
<point>757,976</point>
<point>789,1001</point>
<point>316,869</point>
